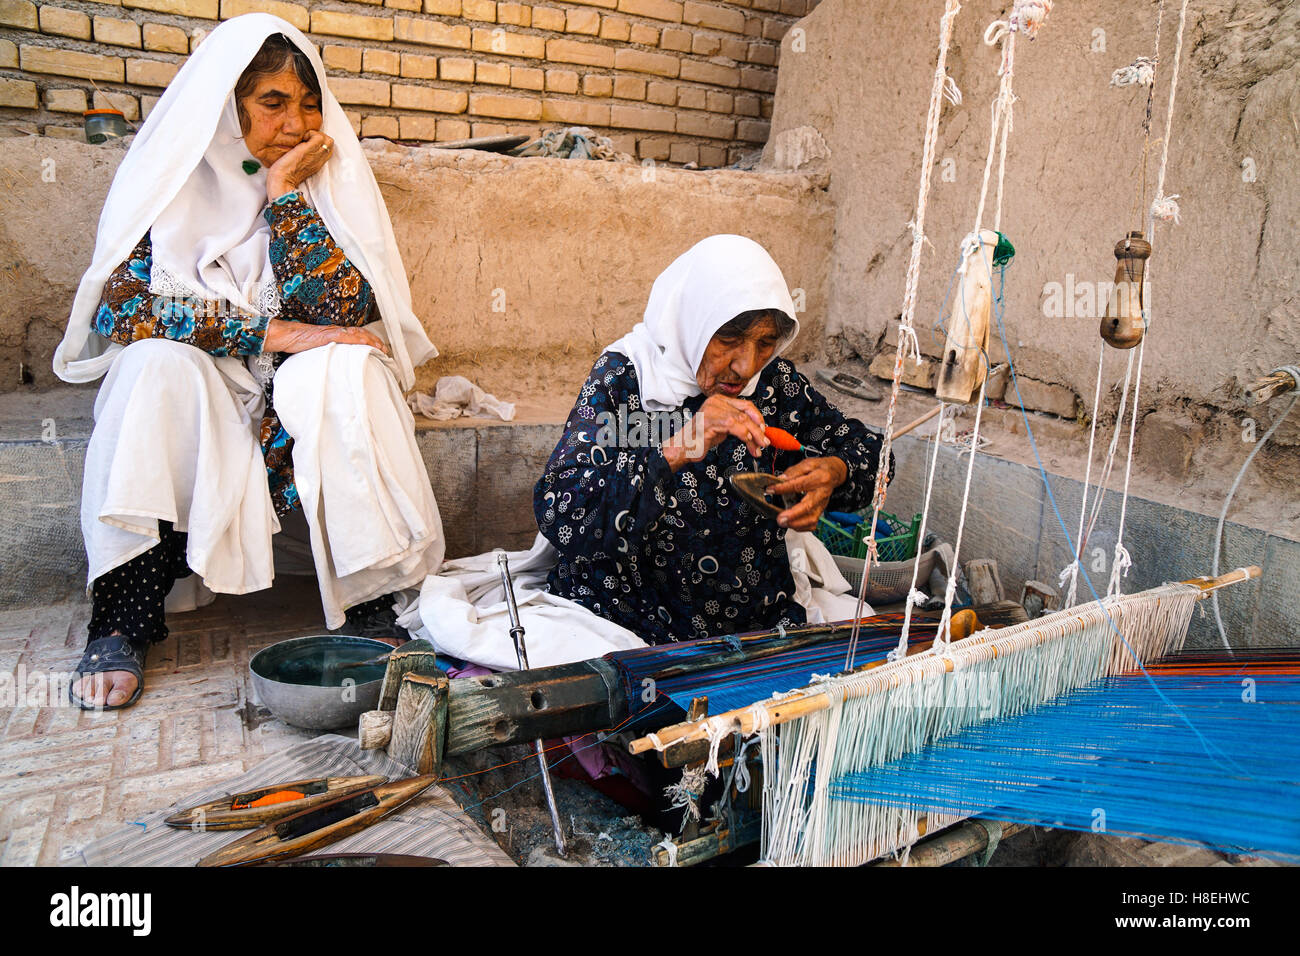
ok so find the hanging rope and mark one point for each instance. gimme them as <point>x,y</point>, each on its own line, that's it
<point>1025,18</point>
<point>906,333</point>
<point>1071,572</point>
<point>912,593</point>
<point>1122,561</point>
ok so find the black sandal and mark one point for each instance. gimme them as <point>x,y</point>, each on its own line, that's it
<point>116,653</point>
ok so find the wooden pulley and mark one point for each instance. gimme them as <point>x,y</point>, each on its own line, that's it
<point>964,363</point>
<point>1123,325</point>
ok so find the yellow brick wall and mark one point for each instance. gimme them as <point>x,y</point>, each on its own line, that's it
<point>680,81</point>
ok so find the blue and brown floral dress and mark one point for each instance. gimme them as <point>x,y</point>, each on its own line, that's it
<point>318,285</point>
<point>680,556</point>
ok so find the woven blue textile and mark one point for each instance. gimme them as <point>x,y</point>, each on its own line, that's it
<point>1115,758</point>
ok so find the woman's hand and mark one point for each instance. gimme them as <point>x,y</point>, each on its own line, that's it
<point>816,479</point>
<point>282,336</point>
<point>298,165</point>
<point>717,420</point>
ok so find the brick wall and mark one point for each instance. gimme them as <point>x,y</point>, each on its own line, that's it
<point>671,80</point>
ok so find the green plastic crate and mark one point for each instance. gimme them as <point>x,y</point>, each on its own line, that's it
<point>899,546</point>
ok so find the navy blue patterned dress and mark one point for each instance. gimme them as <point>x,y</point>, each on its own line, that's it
<point>680,556</point>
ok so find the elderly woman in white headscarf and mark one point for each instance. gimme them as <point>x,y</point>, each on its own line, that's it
<point>635,497</point>
<point>249,306</point>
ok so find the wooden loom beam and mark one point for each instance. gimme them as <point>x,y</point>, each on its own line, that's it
<point>520,706</point>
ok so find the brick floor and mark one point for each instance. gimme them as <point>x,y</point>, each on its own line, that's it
<point>69,776</point>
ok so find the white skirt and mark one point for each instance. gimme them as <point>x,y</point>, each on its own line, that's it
<point>176,439</point>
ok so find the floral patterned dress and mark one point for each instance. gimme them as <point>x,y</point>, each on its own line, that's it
<point>318,285</point>
<point>680,556</point>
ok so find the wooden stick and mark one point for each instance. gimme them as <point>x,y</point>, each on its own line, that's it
<point>811,701</point>
<point>1208,584</point>
<point>951,845</point>
<point>420,723</point>
<point>416,657</point>
<point>1263,389</point>
<point>900,432</point>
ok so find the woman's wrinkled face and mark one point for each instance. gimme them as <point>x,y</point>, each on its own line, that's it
<point>731,361</point>
<point>278,115</point>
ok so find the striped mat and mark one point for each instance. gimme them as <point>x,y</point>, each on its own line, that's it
<point>432,825</point>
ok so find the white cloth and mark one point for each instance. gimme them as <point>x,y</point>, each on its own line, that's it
<point>183,176</point>
<point>455,396</point>
<point>176,439</point>
<point>703,289</point>
<point>818,584</point>
<point>462,612</point>
<point>374,524</point>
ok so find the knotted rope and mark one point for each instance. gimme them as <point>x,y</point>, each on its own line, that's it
<point>906,332</point>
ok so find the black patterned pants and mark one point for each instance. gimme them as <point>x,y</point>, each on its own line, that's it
<point>129,599</point>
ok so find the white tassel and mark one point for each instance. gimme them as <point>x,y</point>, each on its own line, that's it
<point>1029,15</point>
<point>951,93</point>
<point>1141,72</point>
<point>1166,208</point>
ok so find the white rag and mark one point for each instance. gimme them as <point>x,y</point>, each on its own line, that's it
<point>455,396</point>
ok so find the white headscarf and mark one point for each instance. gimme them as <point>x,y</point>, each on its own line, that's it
<point>706,287</point>
<point>183,181</point>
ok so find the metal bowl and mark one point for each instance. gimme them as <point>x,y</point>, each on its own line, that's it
<point>301,681</point>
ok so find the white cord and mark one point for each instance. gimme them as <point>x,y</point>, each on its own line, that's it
<point>1218,532</point>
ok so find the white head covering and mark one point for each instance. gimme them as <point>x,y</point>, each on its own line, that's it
<point>706,287</point>
<point>183,179</point>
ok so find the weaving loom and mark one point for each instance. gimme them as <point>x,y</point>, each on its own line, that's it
<point>878,731</point>
<point>863,764</point>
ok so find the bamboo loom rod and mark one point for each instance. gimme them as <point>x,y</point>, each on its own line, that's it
<point>900,432</point>
<point>805,702</point>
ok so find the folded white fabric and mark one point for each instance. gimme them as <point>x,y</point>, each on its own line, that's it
<point>375,526</point>
<point>462,612</point>
<point>455,396</point>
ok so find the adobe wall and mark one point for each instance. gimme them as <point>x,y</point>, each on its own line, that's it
<point>851,100</point>
<point>522,269</point>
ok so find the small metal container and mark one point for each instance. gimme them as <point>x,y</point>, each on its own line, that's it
<point>103,125</point>
<point>305,681</point>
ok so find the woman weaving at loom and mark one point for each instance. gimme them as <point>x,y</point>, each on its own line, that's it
<point>653,537</point>
<point>229,241</point>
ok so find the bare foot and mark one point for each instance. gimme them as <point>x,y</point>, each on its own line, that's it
<point>111,688</point>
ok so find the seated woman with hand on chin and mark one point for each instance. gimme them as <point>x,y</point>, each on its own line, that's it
<point>249,306</point>
<point>650,534</point>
